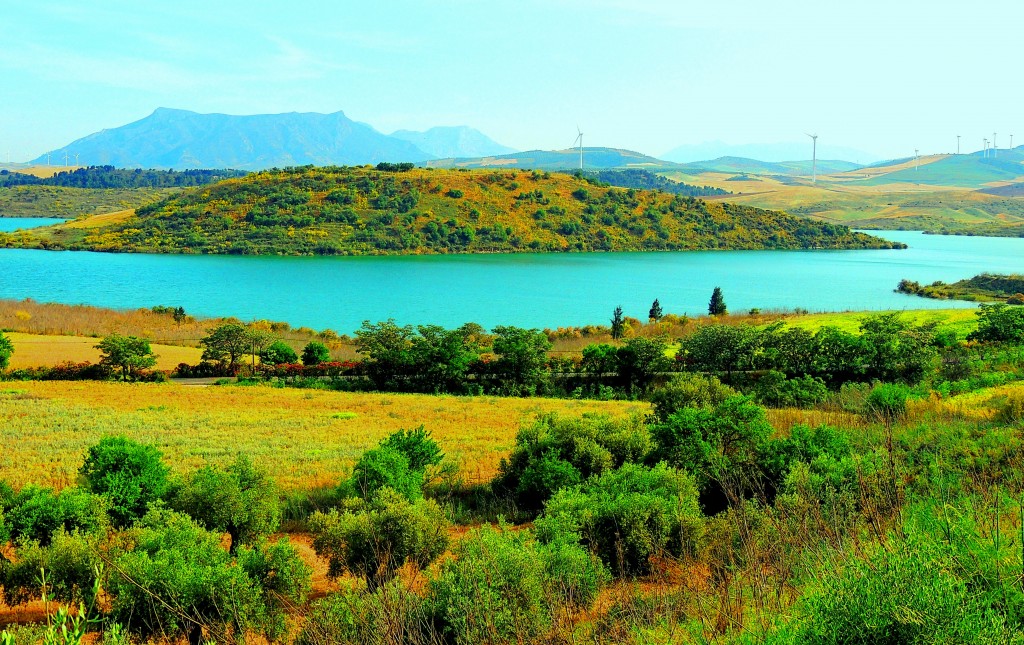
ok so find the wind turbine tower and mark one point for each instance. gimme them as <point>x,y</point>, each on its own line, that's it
<point>579,140</point>
<point>984,149</point>
<point>916,162</point>
<point>76,159</point>
<point>47,158</point>
<point>65,159</point>
<point>814,158</point>
<point>995,148</point>
<point>958,144</point>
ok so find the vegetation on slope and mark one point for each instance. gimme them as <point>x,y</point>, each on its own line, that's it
<point>984,287</point>
<point>396,209</point>
<point>647,180</point>
<point>110,177</point>
<point>61,201</point>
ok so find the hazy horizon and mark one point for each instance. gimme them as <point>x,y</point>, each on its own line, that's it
<point>645,76</point>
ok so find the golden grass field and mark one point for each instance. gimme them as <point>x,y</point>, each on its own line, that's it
<point>33,350</point>
<point>304,438</point>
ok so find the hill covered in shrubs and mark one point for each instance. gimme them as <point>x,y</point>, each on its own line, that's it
<point>398,209</point>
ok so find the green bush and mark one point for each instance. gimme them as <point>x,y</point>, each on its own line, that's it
<point>389,614</point>
<point>241,501</point>
<point>37,513</point>
<point>503,587</point>
<point>284,581</point>
<point>418,447</point>
<point>559,451</point>
<point>385,467</point>
<point>627,516</point>
<point>6,351</point>
<point>376,541</point>
<point>129,475</point>
<point>277,353</point>
<point>315,353</point>
<point>776,390</point>
<point>688,391</point>
<point>887,401</point>
<point>71,561</point>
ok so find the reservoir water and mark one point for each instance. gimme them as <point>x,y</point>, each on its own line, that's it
<point>532,290</point>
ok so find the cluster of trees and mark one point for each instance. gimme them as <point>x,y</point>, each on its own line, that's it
<point>111,177</point>
<point>647,180</point>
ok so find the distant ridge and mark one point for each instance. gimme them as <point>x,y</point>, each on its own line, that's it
<point>593,158</point>
<point>754,166</point>
<point>180,139</point>
<point>769,152</point>
<point>458,141</point>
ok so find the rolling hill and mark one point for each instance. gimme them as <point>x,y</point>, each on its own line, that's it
<point>593,158</point>
<point>743,165</point>
<point>179,139</point>
<point>398,209</point>
<point>770,152</point>
<point>964,171</point>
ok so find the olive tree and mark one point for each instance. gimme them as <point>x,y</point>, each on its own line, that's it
<point>128,354</point>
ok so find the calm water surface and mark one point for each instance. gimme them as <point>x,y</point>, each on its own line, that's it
<point>536,290</point>
<point>8,224</point>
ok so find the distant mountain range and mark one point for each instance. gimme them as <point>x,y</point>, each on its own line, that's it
<point>741,165</point>
<point>593,158</point>
<point>179,139</point>
<point>770,152</point>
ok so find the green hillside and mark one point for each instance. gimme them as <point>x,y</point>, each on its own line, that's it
<point>569,159</point>
<point>756,167</point>
<point>968,171</point>
<point>61,201</point>
<point>367,211</point>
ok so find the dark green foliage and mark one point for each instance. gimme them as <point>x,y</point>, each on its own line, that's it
<point>627,516</point>
<point>126,353</point>
<point>600,358</point>
<point>129,475</point>
<point>427,359</point>
<point>387,351</point>
<point>35,514</point>
<point>999,323</point>
<point>177,580</point>
<point>716,307</point>
<point>277,353</point>
<point>315,353</point>
<point>645,179</point>
<point>386,467</point>
<point>501,587</point>
<point>241,501</point>
<point>775,390</point>
<point>638,361</point>
<point>284,581</point>
<point>556,452</point>
<point>655,314</point>
<point>894,351</point>
<point>522,358</point>
<point>888,401</point>
<point>417,445</point>
<point>111,177</point>
<point>70,559</point>
<point>618,324</point>
<point>6,351</point>
<point>375,540</point>
<point>226,344</point>
<point>688,391</point>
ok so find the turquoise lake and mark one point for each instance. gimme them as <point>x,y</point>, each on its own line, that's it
<point>533,290</point>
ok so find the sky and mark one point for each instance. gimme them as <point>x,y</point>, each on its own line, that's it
<point>886,77</point>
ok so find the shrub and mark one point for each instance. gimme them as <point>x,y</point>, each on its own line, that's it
<point>279,353</point>
<point>385,467</point>
<point>1012,409</point>
<point>418,447</point>
<point>887,401</point>
<point>501,587</point>
<point>70,560</point>
<point>129,475</point>
<point>283,578</point>
<point>627,516</point>
<point>556,451</point>
<point>35,514</point>
<point>776,390</point>
<point>389,614</point>
<point>240,500</point>
<point>315,353</point>
<point>6,351</point>
<point>688,391</point>
<point>377,541</point>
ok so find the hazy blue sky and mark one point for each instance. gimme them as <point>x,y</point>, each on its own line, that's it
<point>882,76</point>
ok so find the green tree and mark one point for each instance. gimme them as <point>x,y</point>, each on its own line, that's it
<point>126,353</point>
<point>315,353</point>
<point>179,315</point>
<point>6,351</point>
<point>130,475</point>
<point>277,353</point>
<point>716,307</point>
<point>655,314</point>
<point>639,360</point>
<point>997,323</point>
<point>388,351</point>
<point>522,359</point>
<point>258,340</point>
<point>226,344</point>
<point>240,500</point>
<point>618,324</point>
<point>441,357</point>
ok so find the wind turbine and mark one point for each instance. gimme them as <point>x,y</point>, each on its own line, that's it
<point>47,158</point>
<point>76,159</point>
<point>814,158</point>
<point>65,159</point>
<point>984,150</point>
<point>916,162</point>
<point>579,140</point>
<point>1011,142</point>
<point>995,148</point>
<point>958,144</point>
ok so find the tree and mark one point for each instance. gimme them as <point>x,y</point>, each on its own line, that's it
<point>522,358</point>
<point>617,323</point>
<point>388,351</point>
<point>717,305</point>
<point>441,357</point>
<point>277,353</point>
<point>997,323</point>
<point>639,360</point>
<point>126,353</point>
<point>655,313</point>
<point>258,340</point>
<point>6,351</point>
<point>226,344</point>
<point>130,475</point>
<point>241,501</point>
<point>179,315</point>
<point>315,353</point>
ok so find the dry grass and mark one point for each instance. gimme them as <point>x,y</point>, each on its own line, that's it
<point>298,435</point>
<point>31,350</point>
<point>105,219</point>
